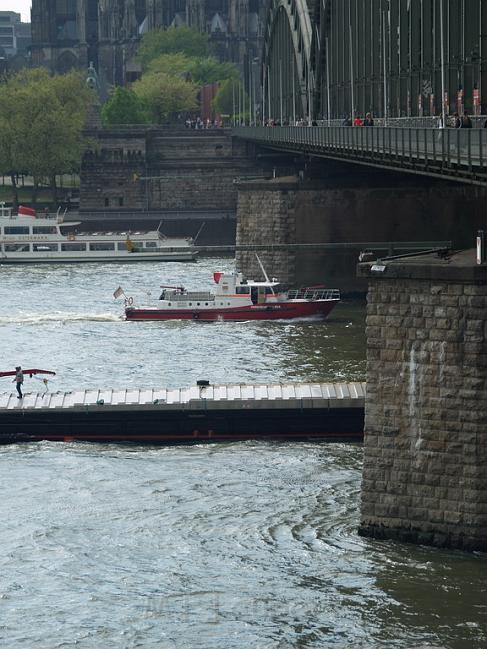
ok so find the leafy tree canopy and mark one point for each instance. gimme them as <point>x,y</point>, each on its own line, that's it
<point>201,71</point>
<point>41,123</point>
<point>226,99</point>
<point>124,107</point>
<point>210,70</point>
<point>165,95</point>
<point>185,40</point>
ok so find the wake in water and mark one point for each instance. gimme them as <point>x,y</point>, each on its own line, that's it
<point>39,318</point>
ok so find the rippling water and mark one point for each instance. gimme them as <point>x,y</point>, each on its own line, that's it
<point>65,318</point>
<point>205,547</point>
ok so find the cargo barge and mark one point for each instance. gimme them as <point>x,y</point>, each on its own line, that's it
<point>198,414</point>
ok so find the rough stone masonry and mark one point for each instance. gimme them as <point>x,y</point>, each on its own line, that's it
<point>425,464</point>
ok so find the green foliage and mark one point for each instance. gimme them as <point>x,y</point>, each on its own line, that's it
<point>124,107</point>
<point>226,99</point>
<point>176,65</point>
<point>209,70</point>
<point>165,95</point>
<point>41,123</point>
<point>185,40</point>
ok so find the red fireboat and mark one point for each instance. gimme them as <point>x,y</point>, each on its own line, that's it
<point>236,299</point>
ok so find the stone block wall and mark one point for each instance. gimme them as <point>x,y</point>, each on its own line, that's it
<point>266,214</point>
<point>348,209</point>
<point>162,169</point>
<point>425,464</point>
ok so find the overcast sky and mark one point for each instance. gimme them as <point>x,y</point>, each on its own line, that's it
<point>19,6</point>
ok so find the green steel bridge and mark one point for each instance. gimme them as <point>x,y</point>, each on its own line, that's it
<point>411,64</point>
<point>455,154</point>
<point>327,59</point>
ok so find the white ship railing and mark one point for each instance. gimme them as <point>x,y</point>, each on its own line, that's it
<point>314,294</point>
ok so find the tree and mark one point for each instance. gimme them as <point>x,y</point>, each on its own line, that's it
<point>165,95</point>
<point>175,65</point>
<point>41,121</point>
<point>226,99</point>
<point>124,107</point>
<point>185,40</point>
<point>208,70</point>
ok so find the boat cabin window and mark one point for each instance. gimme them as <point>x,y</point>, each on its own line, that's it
<point>102,245</point>
<point>16,247</point>
<point>44,247</point>
<point>242,290</point>
<point>121,245</point>
<point>73,246</point>
<point>43,229</point>
<point>150,244</point>
<point>16,229</point>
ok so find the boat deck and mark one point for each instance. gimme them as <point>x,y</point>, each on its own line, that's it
<point>287,395</point>
<point>332,411</point>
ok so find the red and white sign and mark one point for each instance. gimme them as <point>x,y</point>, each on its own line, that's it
<point>432,104</point>
<point>460,101</point>
<point>476,101</point>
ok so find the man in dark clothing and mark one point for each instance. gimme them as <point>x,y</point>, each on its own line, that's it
<point>466,122</point>
<point>368,121</point>
<point>19,379</point>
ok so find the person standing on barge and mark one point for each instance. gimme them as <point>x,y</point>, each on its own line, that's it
<point>19,379</point>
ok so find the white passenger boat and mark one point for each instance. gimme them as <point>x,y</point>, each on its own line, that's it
<point>26,237</point>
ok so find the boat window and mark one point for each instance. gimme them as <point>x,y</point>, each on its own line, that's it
<point>150,244</point>
<point>242,290</point>
<point>190,304</point>
<point>16,229</point>
<point>73,246</point>
<point>102,245</point>
<point>121,245</point>
<point>43,229</point>
<point>44,247</point>
<point>16,247</point>
<point>269,291</point>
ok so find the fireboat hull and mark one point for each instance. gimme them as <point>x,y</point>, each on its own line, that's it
<point>281,311</point>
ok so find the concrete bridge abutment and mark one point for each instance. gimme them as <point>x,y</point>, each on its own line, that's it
<point>425,448</point>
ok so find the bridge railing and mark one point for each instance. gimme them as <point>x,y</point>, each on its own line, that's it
<point>460,149</point>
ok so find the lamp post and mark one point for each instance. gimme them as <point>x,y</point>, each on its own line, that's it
<point>442,45</point>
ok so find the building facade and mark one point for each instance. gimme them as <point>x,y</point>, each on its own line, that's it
<point>70,34</point>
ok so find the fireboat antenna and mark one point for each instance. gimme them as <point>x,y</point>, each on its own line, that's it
<point>265,274</point>
<point>262,268</point>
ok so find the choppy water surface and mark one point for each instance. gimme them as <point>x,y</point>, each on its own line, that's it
<point>220,546</point>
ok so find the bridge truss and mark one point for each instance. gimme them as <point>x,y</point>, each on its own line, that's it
<point>327,59</point>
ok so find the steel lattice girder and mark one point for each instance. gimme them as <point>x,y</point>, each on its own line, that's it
<point>288,84</point>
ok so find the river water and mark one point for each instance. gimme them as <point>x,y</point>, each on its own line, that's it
<point>218,546</point>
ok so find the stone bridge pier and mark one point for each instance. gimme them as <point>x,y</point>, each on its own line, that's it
<point>425,464</point>
<point>339,203</point>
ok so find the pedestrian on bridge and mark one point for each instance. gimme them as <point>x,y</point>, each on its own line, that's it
<point>357,121</point>
<point>466,121</point>
<point>368,121</point>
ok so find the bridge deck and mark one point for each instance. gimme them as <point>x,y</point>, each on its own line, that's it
<point>459,154</point>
